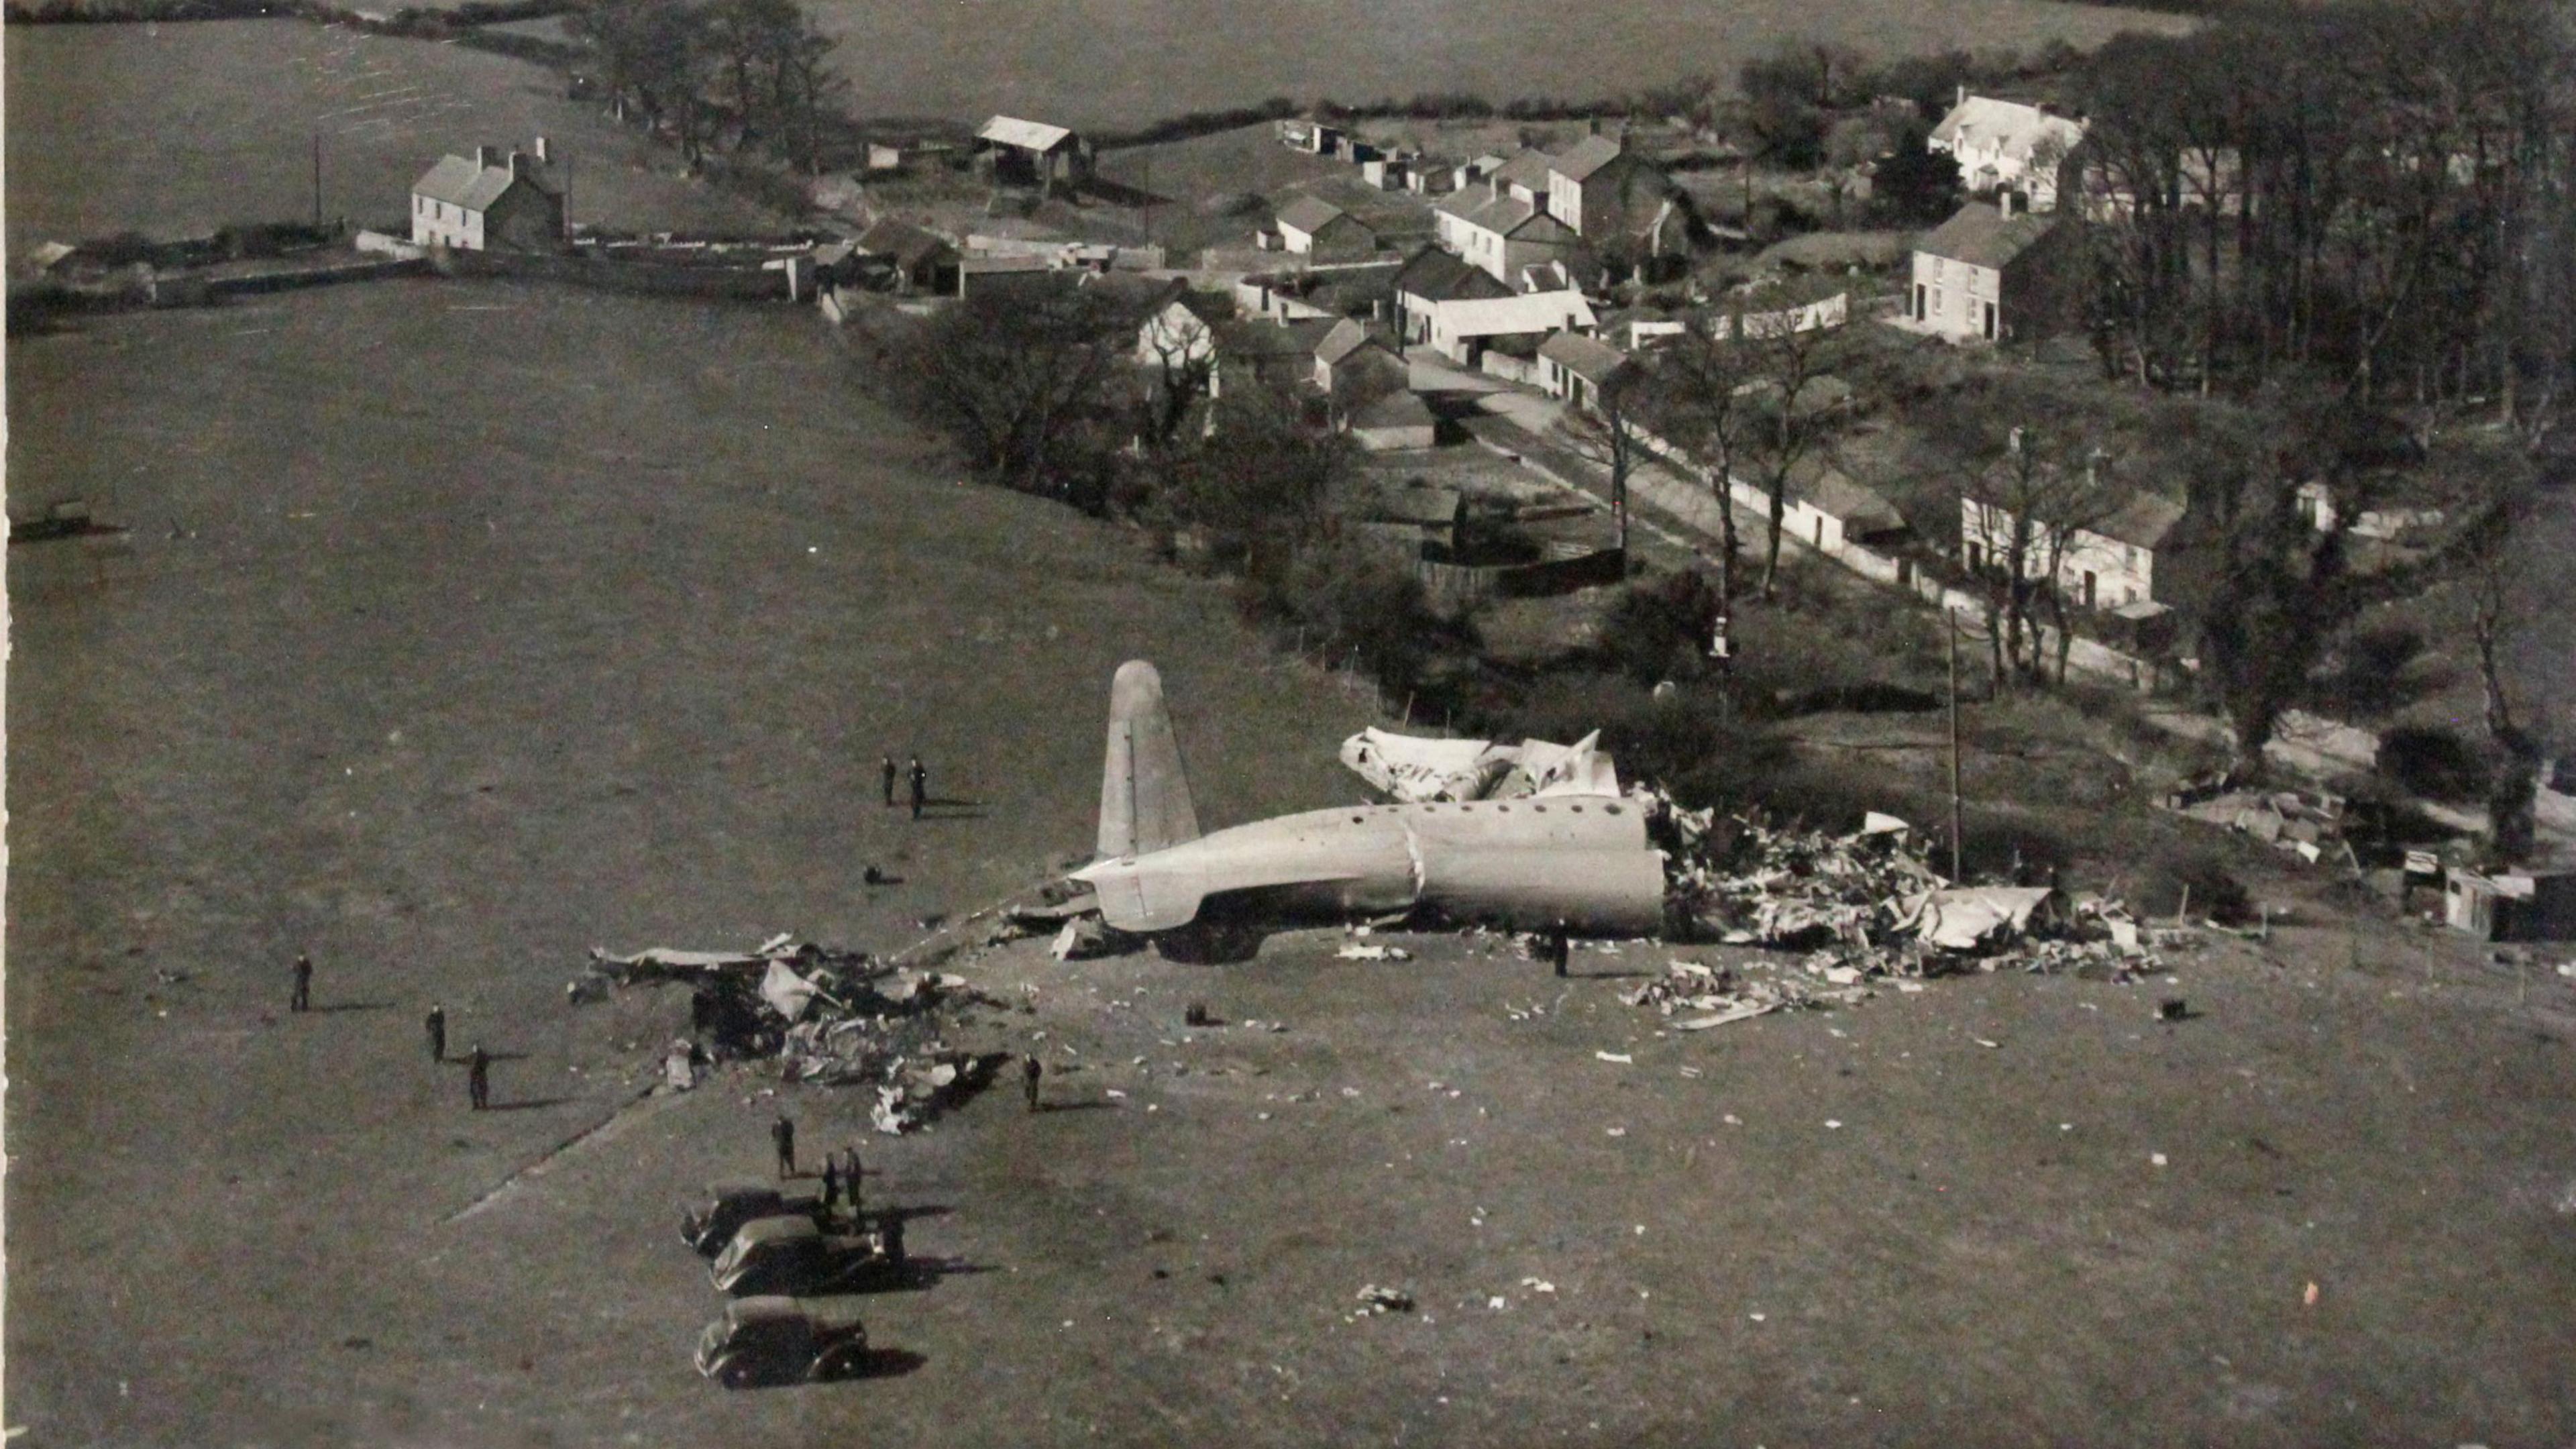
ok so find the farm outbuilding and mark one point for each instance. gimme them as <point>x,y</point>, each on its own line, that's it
<point>1034,153</point>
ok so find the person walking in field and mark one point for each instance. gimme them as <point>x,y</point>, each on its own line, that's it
<point>885,776</point>
<point>478,1077</point>
<point>1559,948</point>
<point>920,786</point>
<point>436,1024</point>
<point>782,1134</point>
<point>831,1184</point>
<point>851,1174</point>
<point>302,997</point>
<point>1030,1071</point>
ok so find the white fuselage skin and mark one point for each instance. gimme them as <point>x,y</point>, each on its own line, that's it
<point>1577,861</point>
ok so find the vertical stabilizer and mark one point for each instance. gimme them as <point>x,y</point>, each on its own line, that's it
<point>1144,796</point>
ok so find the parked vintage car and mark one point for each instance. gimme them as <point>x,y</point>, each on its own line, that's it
<point>794,1255</point>
<point>774,1340</point>
<point>709,1225</point>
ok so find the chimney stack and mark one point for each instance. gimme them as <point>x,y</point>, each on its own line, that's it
<point>482,158</point>
<point>2004,204</point>
<point>518,165</point>
<point>1963,95</point>
<point>540,149</point>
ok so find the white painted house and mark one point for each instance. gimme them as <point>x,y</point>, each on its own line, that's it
<point>1461,331</point>
<point>2108,565</point>
<point>2007,146</point>
<point>488,202</point>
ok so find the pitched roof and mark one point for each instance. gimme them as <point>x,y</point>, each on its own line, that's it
<point>1251,341</point>
<point>2144,520</point>
<point>1984,237</point>
<point>1437,276</point>
<point>1529,168</point>
<point>1395,410</point>
<point>1587,357</point>
<point>1029,135</point>
<point>1310,214</point>
<point>2018,128</point>
<point>1526,313</point>
<point>458,181</point>
<point>1587,156</point>
<point>1830,491</point>
<point>907,244</point>
<point>980,266</point>
<point>1348,336</point>
<point>1143,296</point>
<point>1503,214</point>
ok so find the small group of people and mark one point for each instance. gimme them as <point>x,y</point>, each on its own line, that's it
<point>478,1062</point>
<point>843,1173</point>
<point>917,773</point>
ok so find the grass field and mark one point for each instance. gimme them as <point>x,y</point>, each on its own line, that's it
<point>466,626</point>
<point>174,130</point>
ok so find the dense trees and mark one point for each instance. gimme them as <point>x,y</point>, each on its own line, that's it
<point>2376,191</point>
<point>703,68</point>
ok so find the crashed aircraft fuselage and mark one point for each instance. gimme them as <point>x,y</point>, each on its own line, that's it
<point>1581,861</point>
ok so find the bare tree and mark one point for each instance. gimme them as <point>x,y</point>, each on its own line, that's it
<point>1604,431</point>
<point>2512,792</point>
<point>2028,492</point>
<point>1792,414</point>
<point>1701,400</point>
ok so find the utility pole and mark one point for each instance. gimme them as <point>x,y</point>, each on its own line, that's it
<point>1950,617</point>
<point>317,181</point>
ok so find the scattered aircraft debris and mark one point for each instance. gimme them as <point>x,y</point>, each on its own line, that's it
<point>837,1018</point>
<point>1418,771</point>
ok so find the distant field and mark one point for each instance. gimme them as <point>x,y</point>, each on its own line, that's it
<point>1109,63</point>
<point>177,129</point>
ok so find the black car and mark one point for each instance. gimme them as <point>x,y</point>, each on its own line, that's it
<point>728,1205</point>
<point>775,1340</point>
<point>794,1255</point>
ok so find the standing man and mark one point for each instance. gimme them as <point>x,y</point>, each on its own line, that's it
<point>478,1077</point>
<point>782,1133</point>
<point>852,1175</point>
<point>302,999</point>
<point>1030,1071</point>
<point>885,777</point>
<point>831,1185</point>
<point>436,1022</point>
<point>920,786</point>
<point>1558,947</point>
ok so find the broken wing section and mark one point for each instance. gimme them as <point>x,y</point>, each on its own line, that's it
<point>1144,796</point>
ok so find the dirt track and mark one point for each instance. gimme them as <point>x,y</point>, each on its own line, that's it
<point>460,675</point>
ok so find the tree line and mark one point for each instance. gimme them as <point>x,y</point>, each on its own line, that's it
<point>2377,191</point>
<point>719,75</point>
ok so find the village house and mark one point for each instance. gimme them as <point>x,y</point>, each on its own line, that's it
<point>1181,331</point>
<point>1601,190</point>
<point>1827,509</point>
<point>1524,177</point>
<point>488,202</point>
<point>1464,331</point>
<point>1578,368</point>
<point>1994,272</point>
<point>1400,420</point>
<point>1267,353</point>
<point>1432,277</point>
<point>1319,231</point>
<point>987,275</point>
<point>2110,564</point>
<point>920,261</point>
<point>1500,233</point>
<point>2007,145</point>
<point>1351,356</point>
<point>1033,153</point>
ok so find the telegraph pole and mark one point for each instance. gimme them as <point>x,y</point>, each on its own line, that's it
<point>317,181</point>
<point>1950,617</point>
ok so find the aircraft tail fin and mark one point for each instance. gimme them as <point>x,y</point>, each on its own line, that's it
<point>1144,796</point>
